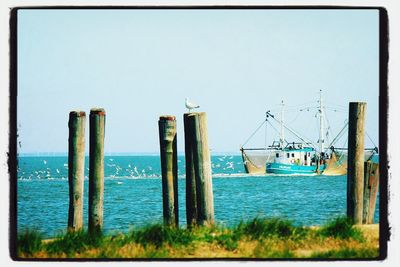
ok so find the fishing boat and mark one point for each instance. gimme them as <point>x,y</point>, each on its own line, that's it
<point>299,157</point>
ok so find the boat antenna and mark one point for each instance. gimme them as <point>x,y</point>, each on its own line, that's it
<point>265,131</point>
<point>321,140</point>
<point>282,132</point>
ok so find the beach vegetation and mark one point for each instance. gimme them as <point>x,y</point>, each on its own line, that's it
<point>29,242</point>
<point>256,238</point>
<point>341,227</point>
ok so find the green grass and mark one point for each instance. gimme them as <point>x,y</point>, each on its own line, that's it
<point>29,242</point>
<point>159,234</point>
<point>260,237</point>
<point>73,242</point>
<point>228,240</point>
<point>342,228</point>
<point>260,228</point>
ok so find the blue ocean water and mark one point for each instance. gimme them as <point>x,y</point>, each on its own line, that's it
<point>133,194</point>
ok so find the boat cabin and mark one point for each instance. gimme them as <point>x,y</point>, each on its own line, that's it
<point>295,153</point>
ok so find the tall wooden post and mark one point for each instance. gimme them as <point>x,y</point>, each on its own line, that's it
<point>202,169</point>
<point>371,185</point>
<point>169,169</point>
<point>96,169</point>
<point>355,164</point>
<point>76,168</point>
<point>191,205</point>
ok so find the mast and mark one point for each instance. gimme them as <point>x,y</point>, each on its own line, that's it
<point>282,133</point>
<point>321,124</point>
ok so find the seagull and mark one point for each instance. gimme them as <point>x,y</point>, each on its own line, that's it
<point>190,105</point>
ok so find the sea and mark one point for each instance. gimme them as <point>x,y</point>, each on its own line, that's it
<point>133,194</point>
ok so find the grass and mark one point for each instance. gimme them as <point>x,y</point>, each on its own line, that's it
<point>341,227</point>
<point>159,235</point>
<point>29,242</point>
<point>347,253</point>
<point>259,228</point>
<point>71,243</point>
<point>257,238</point>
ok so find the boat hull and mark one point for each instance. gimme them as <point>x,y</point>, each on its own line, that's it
<point>280,168</point>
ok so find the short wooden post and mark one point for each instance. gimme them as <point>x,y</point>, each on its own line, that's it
<point>96,169</point>
<point>169,169</point>
<point>371,185</point>
<point>76,168</point>
<point>191,205</point>
<point>202,169</point>
<point>355,171</point>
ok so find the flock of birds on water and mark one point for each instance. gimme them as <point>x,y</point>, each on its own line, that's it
<point>221,165</point>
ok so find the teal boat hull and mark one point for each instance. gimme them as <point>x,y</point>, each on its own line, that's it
<point>280,168</point>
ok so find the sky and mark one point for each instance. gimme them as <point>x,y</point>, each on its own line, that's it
<point>236,64</point>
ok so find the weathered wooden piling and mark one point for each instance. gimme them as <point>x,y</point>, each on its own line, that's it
<point>355,162</point>
<point>96,169</point>
<point>191,205</point>
<point>371,185</point>
<point>169,169</point>
<point>76,168</point>
<point>202,168</point>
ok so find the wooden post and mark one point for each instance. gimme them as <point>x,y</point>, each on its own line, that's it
<point>355,162</point>
<point>202,169</point>
<point>169,169</point>
<point>76,168</point>
<point>371,185</point>
<point>96,169</point>
<point>191,205</point>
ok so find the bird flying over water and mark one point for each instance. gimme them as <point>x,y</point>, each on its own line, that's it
<point>190,105</point>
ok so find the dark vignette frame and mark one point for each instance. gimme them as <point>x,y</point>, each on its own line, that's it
<point>384,230</point>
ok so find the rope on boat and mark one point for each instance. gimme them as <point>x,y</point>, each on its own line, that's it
<point>370,139</point>
<point>258,128</point>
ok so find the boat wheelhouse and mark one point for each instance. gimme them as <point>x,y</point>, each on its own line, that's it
<point>295,159</point>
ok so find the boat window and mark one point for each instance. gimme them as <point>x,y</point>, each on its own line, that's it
<point>292,155</point>
<point>277,155</point>
<point>287,155</point>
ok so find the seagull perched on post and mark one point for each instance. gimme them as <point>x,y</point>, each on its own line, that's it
<point>190,105</point>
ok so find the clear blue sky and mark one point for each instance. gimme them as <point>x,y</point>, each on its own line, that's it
<point>236,64</point>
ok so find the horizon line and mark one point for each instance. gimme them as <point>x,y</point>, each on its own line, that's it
<point>38,154</point>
